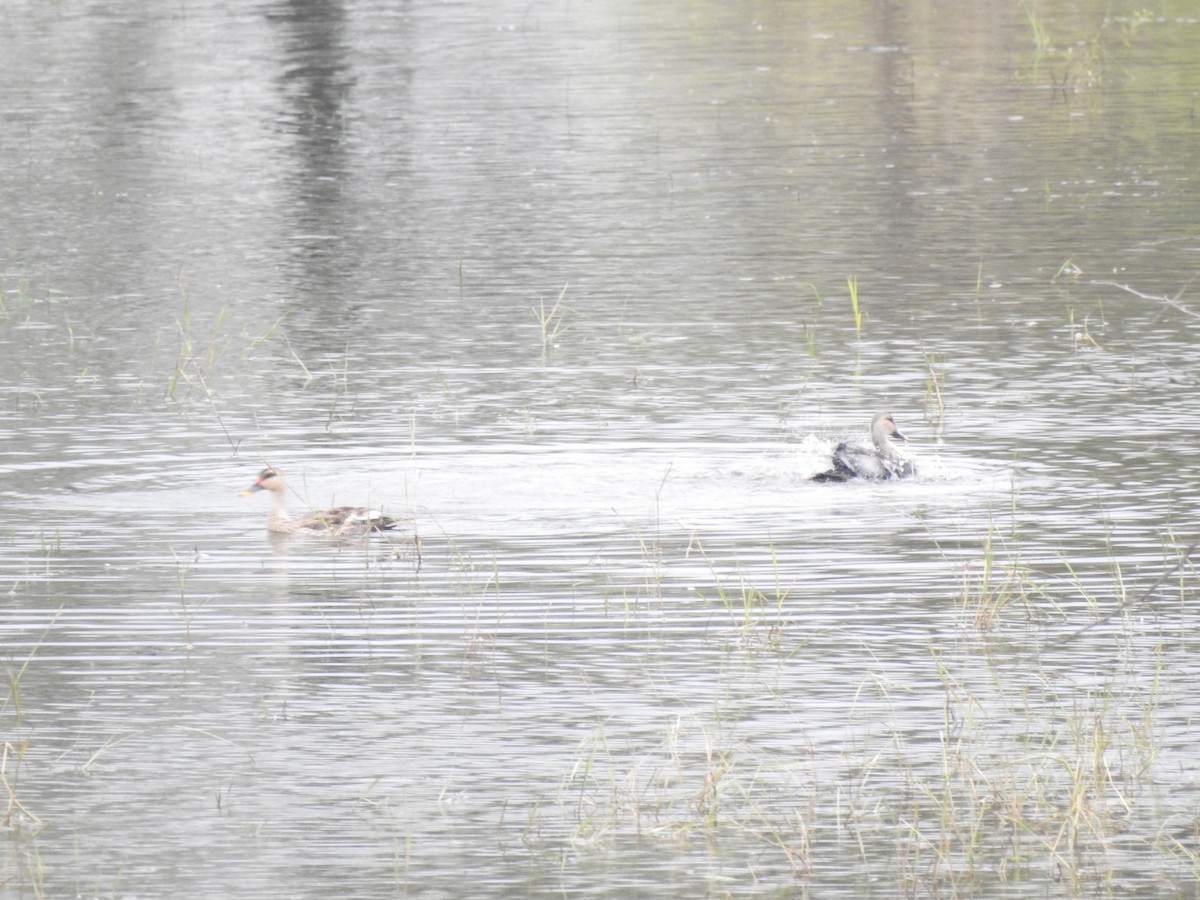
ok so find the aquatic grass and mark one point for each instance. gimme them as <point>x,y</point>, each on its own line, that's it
<point>986,595</point>
<point>1025,774</point>
<point>20,299</point>
<point>810,338</point>
<point>1000,574</point>
<point>192,365</point>
<point>186,614</point>
<point>400,841</point>
<point>934,404</point>
<point>341,386</point>
<point>1127,603</point>
<point>1041,39</point>
<point>15,745</point>
<point>1051,782</point>
<point>1024,785</point>
<point>1172,301</point>
<point>479,639</point>
<point>184,353</point>
<point>650,545</point>
<point>1087,58</point>
<point>266,334</point>
<point>1081,336</point>
<point>852,286</point>
<point>193,361</point>
<point>409,547</point>
<point>810,329</point>
<point>552,321</point>
<point>669,793</point>
<point>308,375</point>
<point>594,818</point>
<point>753,611</point>
<point>1067,270</point>
<point>14,752</point>
<point>50,546</point>
<point>1173,544</point>
<point>1092,600</point>
<point>116,740</point>
<point>197,358</point>
<point>1004,577</point>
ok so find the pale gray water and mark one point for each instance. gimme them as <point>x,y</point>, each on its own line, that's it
<point>634,651</point>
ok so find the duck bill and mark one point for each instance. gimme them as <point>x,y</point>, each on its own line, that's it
<point>897,434</point>
<point>253,489</point>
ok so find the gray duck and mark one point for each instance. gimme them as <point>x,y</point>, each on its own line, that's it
<point>877,461</point>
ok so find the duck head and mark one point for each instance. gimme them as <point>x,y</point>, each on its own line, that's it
<point>883,429</point>
<point>268,480</point>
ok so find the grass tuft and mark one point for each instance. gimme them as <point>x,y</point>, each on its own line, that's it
<point>551,320</point>
<point>852,285</point>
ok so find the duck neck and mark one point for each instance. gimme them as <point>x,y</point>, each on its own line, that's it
<point>277,518</point>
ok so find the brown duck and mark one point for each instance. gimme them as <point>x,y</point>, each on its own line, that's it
<point>342,521</point>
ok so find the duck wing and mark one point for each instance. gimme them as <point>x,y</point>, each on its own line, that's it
<point>344,520</point>
<point>852,460</point>
<point>843,468</point>
<point>358,520</point>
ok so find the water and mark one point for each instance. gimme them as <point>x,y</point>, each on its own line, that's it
<point>567,285</point>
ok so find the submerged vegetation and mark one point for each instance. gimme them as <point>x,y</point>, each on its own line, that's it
<point>1082,61</point>
<point>552,321</point>
<point>979,752</point>
<point>852,287</point>
<point>1027,774</point>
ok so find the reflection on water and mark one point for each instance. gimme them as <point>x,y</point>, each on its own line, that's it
<point>569,288</point>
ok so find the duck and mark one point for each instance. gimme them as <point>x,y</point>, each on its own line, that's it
<point>877,461</point>
<point>341,521</point>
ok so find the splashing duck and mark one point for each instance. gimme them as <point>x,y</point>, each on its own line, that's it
<point>877,461</point>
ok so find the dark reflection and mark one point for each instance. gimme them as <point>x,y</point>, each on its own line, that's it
<point>316,83</point>
<point>932,104</point>
<point>895,97</point>
<point>342,97</point>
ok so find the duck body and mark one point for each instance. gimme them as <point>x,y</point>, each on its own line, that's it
<point>878,460</point>
<point>341,521</point>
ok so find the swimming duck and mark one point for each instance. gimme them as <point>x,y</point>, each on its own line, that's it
<point>877,461</point>
<point>341,521</point>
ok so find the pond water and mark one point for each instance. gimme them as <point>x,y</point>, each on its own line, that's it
<point>570,287</point>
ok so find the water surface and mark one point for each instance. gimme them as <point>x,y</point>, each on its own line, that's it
<point>568,286</point>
